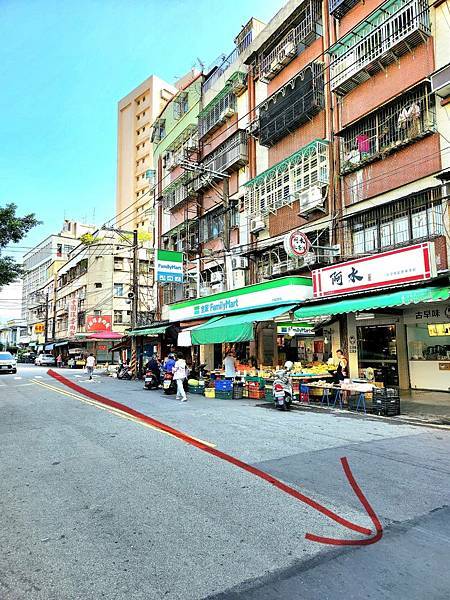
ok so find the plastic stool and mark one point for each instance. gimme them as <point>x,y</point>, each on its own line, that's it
<point>361,401</point>
<point>304,394</point>
<point>325,396</point>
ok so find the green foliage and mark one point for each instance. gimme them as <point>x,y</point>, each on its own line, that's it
<point>88,239</point>
<point>12,229</point>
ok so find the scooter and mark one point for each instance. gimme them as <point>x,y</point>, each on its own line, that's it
<point>282,390</point>
<point>151,382</point>
<point>124,372</point>
<point>169,384</point>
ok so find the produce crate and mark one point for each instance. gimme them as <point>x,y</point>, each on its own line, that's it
<point>386,401</point>
<point>210,393</point>
<point>196,389</point>
<point>224,395</point>
<point>255,381</point>
<point>223,385</point>
<point>238,391</point>
<point>256,394</point>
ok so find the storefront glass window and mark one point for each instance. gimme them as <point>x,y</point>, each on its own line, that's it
<point>377,348</point>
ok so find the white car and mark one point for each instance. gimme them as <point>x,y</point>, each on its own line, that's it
<point>45,360</point>
<point>8,363</point>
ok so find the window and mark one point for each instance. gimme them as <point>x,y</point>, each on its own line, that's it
<point>98,285</point>
<point>143,265</point>
<point>81,319</point>
<point>118,263</point>
<point>58,250</point>
<point>118,316</point>
<point>118,289</point>
<point>97,313</point>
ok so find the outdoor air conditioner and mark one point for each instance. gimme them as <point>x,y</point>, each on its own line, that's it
<point>239,263</point>
<point>266,272</point>
<point>205,291</point>
<point>257,225</point>
<point>253,128</point>
<point>226,114</point>
<point>276,65</point>
<point>276,269</point>
<point>216,289</point>
<point>216,277</point>
<point>289,50</point>
<point>310,199</point>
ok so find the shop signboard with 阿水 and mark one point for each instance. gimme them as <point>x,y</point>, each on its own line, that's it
<point>169,266</point>
<point>286,290</point>
<point>385,269</point>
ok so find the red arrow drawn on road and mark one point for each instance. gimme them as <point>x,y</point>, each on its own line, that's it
<point>372,536</point>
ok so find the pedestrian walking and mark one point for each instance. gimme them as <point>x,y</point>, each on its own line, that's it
<point>90,364</point>
<point>179,375</point>
<point>59,361</point>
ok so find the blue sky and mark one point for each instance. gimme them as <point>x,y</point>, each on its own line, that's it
<point>64,67</point>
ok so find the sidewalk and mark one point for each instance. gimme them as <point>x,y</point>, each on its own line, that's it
<point>432,407</point>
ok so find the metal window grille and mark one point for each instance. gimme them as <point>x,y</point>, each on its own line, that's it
<point>217,112</point>
<point>408,118</point>
<point>304,32</point>
<point>233,152</point>
<point>392,30</point>
<point>227,62</point>
<point>279,186</point>
<point>411,219</point>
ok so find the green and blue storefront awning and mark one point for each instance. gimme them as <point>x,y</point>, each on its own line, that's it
<point>370,302</point>
<point>149,331</point>
<point>234,328</point>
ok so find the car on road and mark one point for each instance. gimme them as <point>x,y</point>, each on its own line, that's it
<point>45,360</point>
<point>8,363</point>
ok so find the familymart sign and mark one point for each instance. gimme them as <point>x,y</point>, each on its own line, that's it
<point>169,266</point>
<point>286,290</point>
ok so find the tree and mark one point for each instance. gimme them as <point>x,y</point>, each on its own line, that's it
<point>12,229</point>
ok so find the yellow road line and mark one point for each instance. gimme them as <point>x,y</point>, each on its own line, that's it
<point>115,411</point>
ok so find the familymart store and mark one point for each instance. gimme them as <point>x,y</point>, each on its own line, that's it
<point>244,319</point>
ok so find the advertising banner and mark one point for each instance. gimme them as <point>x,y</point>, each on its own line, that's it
<point>169,266</point>
<point>96,323</point>
<point>72,316</point>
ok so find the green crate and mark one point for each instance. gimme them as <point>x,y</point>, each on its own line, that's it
<point>196,389</point>
<point>224,395</point>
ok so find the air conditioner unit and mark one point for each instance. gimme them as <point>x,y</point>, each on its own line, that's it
<point>216,277</point>
<point>226,114</point>
<point>219,287</point>
<point>253,128</point>
<point>311,199</point>
<point>170,162</point>
<point>290,50</point>
<point>276,65</point>
<point>276,269</point>
<point>239,263</point>
<point>205,291</point>
<point>190,293</point>
<point>266,272</point>
<point>257,225</point>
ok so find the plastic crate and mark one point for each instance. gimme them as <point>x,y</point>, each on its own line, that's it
<point>210,393</point>
<point>196,389</point>
<point>221,395</point>
<point>256,382</point>
<point>386,406</point>
<point>238,391</point>
<point>256,394</point>
<point>224,385</point>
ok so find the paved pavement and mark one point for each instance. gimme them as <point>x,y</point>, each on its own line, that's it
<point>93,505</point>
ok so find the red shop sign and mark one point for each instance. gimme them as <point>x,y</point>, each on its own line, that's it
<point>95,324</point>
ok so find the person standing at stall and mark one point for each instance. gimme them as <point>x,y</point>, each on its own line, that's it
<point>341,372</point>
<point>229,363</point>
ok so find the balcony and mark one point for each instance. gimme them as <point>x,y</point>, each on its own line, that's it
<point>389,32</point>
<point>339,8</point>
<point>178,192</point>
<point>304,173</point>
<point>222,107</point>
<point>407,119</point>
<point>306,27</point>
<point>292,105</point>
<point>227,62</point>
<point>229,156</point>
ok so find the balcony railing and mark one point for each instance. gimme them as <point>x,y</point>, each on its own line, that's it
<point>300,35</point>
<point>292,105</point>
<point>339,8</point>
<point>217,111</point>
<point>389,32</point>
<point>178,191</point>
<point>388,129</point>
<point>226,63</point>
<point>302,174</point>
<point>229,156</point>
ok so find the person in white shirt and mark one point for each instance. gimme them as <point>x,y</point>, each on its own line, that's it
<point>90,364</point>
<point>179,375</point>
<point>229,364</point>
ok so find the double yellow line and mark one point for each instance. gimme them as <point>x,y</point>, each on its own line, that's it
<point>114,411</point>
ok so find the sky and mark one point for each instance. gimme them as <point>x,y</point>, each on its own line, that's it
<point>64,67</point>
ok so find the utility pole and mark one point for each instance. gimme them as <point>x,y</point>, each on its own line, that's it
<point>226,227</point>
<point>134,302</point>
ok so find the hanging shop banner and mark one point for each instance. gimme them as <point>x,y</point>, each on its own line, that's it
<point>296,244</point>
<point>72,316</point>
<point>169,266</point>
<point>396,267</point>
<point>39,328</point>
<point>95,323</point>
<point>293,330</point>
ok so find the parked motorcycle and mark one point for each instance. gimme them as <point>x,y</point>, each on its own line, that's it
<point>124,372</point>
<point>282,390</point>
<point>151,382</point>
<point>169,384</point>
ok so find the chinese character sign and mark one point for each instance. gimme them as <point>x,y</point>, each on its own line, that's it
<point>169,266</point>
<point>404,265</point>
<point>96,323</point>
<point>72,316</point>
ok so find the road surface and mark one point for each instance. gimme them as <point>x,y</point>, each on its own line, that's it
<point>95,505</point>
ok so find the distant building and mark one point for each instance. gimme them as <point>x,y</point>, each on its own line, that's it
<point>14,334</point>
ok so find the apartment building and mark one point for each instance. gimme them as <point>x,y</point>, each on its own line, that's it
<point>135,167</point>
<point>40,265</point>
<point>14,334</point>
<point>92,288</point>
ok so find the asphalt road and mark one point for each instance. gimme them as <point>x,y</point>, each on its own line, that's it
<point>94,505</point>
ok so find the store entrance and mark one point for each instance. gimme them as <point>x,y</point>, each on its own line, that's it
<point>377,348</point>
